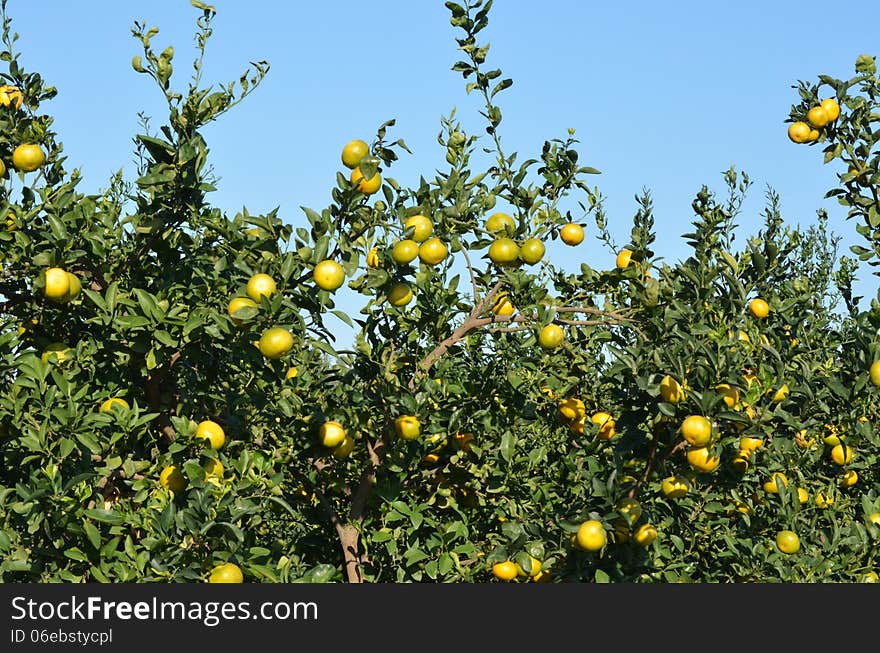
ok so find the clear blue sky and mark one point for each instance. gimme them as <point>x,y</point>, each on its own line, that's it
<point>663,96</point>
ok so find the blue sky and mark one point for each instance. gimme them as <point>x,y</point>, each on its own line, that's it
<point>663,96</point>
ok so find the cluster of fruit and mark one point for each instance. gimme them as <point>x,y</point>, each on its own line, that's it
<point>818,117</point>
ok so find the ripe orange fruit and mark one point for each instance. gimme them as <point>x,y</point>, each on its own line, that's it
<point>817,117</point>
<point>260,285</point>
<point>404,251</point>
<point>353,152</point>
<point>27,157</point>
<point>505,570</point>
<point>400,295</point>
<point>606,424</point>
<point>504,251</point>
<point>171,478</point>
<point>770,485</point>
<point>551,336</point>
<point>237,303</point>
<point>749,444</point>
<point>373,257</point>
<point>832,108</point>
<point>671,390</point>
<point>344,448</point>
<point>275,342</point>
<point>532,250</point>
<point>108,404</point>
<point>419,227</point>
<point>499,223</point>
<point>848,478</point>
<point>332,434</point>
<point>365,186</point>
<point>674,487</point>
<point>874,373</point>
<point>407,427</point>
<point>645,534</point>
<point>57,286</point>
<point>728,393</point>
<point>799,132</point>
<point>591,535</point>
<point>226,573</point>
<point>572,234</point>
<point>841,454</point>
<point>697,430</point>
<point>702,459</point>
<point>623,258</point>
<point>502,305</point>
<point>328,275</point>
<point>572,408</point>
<point>212,433</point>
<point>432,251</point>
<point>788,541</point>
<point>759,308</point>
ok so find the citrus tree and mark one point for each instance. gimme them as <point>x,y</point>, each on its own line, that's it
<point>175,407</point>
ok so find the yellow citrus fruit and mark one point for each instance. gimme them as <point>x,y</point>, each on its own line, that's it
<point>57,350</point>
<point>799,132</point>
<point>671,390</point>
<point>817,116</point>
<point>572,234</point>
<point>874,518</point>
<point>803,495</point>
<point>741,462</point>
<point>27,157</point>
<point>328,275</point>
<point>623,258</point>
<point>108,404</point>
<point>499,223</point>
<point>759,308</point>
<point>407,427</point>
<point>728,393</point>
<point>504,251</point>
<point>419,227</point>
<point>432,251</point>
<point>874,373</point>
<point>645,534</point>
<point>770,485</point>
<point>697,430</point>
<point>535,569</point>
<point>501,305</point>
<point>505,570</point>
<point>750,444</point>
<point>57,287</point>
<point>702,459</point>
<point>572,408</point>
<point>813,135</point>
<point>275,342</point>
<point>291,373</point>
<point>781,393</point>
<point>532,250</point>
<point>75,287</point>
<point>831,107</point>
<point>226,573</point>
<point>869,577</point>
<point>788,541</point>
<point>212,433</point>
<point>213,470</point>
<point>344,448</point>
<point>332,434</point>
<point>260,285</point>
<point>824,500</point>
<point>353,152</point>
<point>373,257</point>
<point>629,509</point>
<point>172,479</point>
<point>400,295</point>
<point>674,487</point>
<point>11,96</point>
<point>365,186</point>
<point>591,535</point>
<point>841,454</point>
<point>606,424</point>
<point>551,336</point>
<point>237,303</point>
<point>848,478</point>
<point>404,251</point>
<point>832,436</point>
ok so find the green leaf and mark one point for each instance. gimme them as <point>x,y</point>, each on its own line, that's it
<point>104,516</point>
<point>93,534</point>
